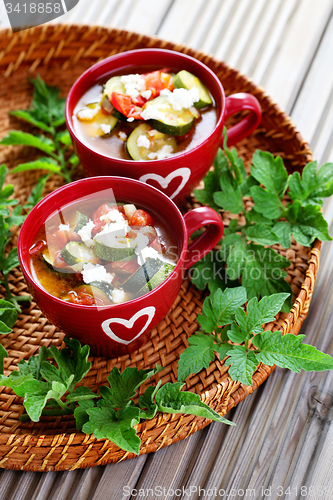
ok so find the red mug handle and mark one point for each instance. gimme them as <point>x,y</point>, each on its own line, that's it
<point>194,220</point>
<point>242,102</point>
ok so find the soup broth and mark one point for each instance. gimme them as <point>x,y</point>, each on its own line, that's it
<point>172,114</point>
<point>97,252</point>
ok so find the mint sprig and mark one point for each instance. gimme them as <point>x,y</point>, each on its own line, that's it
<point>239,336</point>
<point>47,112</point>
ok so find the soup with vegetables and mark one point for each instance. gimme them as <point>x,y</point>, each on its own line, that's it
<point>95,253</point>
<point>146,116</point>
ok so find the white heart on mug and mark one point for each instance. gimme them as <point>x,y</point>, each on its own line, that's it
<point>164,182</point>
<point>128,323</point>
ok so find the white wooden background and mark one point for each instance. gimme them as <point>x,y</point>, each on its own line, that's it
<point>284,433</point>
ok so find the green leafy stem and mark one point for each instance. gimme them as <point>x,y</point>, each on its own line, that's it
<point>238,337</point>
<point>246,252</point>
<point>46,113</point>
<point>51,389</point>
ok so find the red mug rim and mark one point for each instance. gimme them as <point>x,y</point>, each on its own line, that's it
<point>124,55</point>
<point>48,200</point>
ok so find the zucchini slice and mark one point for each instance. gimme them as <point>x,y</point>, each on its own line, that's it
<point>157,278</point>
<point>186,80</point>
<point>171,122</point>
<point>81,220</point>
<point>76,252</point>
<point>142,276</point>
<point>157,141</point>
<point>114,85</point>
<point>98,124</point>
<point>123,249</point>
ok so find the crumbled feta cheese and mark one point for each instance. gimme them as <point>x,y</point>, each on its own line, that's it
<point>130,119</point>
<point>143,142</point>
<point>88,113</point>
<point>145,253</point>
<point>146,94</point>
<point>152,132</point>
<point>64,227</point>
<point>85,233</point>
<point>122,136</point>
<point>118,296</point>
<point>112,231</point>
<point>113,216</point>
<point>141,241</point>
<point>105,128</point>
<point>181,98</point>
<point>134,84</point>
<point>165,152</point>
<point>96,272</point>
<point>152,113</point>
<point>129,211</point>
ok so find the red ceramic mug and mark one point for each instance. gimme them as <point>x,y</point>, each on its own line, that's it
<point>119,328</point>
<point>176,176</point>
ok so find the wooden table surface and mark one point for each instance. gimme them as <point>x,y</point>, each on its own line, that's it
<point>282,446</point>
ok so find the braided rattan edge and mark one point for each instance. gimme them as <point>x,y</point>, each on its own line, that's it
<point>77,450</point>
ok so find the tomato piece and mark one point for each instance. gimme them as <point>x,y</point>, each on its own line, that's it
<point>141,218</point>
<point>84,298</point>
<point>157,81</point>
<point>123,103</point>
<point>38,247</point>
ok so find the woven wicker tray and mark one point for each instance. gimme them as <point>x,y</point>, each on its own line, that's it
<point>60,54</point>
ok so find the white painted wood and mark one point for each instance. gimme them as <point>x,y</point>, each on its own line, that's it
<point>140,18</point>
<point>300,42</point>
<point>180,19</point>
<point>315,101</point>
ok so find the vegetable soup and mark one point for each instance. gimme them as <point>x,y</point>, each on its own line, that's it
<point>97,252</point>
<point>146,116</point>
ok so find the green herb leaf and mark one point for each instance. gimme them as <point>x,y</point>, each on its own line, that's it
<point>64,137</point>
<point>198,355</point>
<point>123,386</point>
<point>72,360</point>
<point>287,351</point>
<point>11,262</point>
<point>8,314</point>
<point>40,164</point>
<point>219,308</point>
<point>262,234</point>
<point>46,100</point>
<point>262,269</point>
<point>170,399</point>
<point>262,312</point>
<point>266,203</point>
<point>230,198</point>
<point>81,394</point>
<point>314,185</point>
<point>146,402</point>
<point>17,137</point>
<point>118,426</point>
<point>80,413</point>
<point>31,116</point>
<point>210,271</point>
<point>3,355</point>
<point>270,172</point>
<point>243,364</point>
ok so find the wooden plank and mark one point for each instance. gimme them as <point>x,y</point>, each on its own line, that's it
<point>139,17</point>
<point>169,468</point>
<point>180,19</point>
<point>314,106</point>
<point>116,476</point>
<point>302,35</point>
